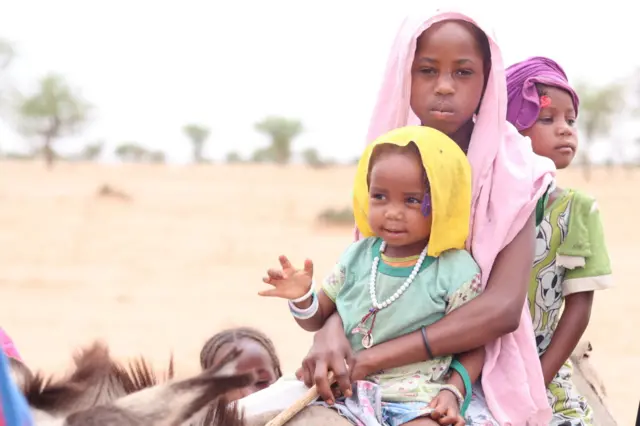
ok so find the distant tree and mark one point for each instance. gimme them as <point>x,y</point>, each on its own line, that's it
<point>131,152</point>
<point>198,135</point>
<point>311,157</point>
<point>157,157</point>
<point>92,151</point>
<point>282,131</point>
<point>234,157</point>
<point>598,105</point>
<point>262,155</point>
<point>53,111</point>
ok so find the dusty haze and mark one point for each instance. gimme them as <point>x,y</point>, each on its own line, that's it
<point>184,258</point>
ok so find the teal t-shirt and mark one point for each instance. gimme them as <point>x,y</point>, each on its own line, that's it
<point>442,284</point>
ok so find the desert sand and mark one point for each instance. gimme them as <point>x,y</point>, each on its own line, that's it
<point>183,259</point>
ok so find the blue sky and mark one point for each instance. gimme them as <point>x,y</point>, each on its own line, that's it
<point>151,67</point>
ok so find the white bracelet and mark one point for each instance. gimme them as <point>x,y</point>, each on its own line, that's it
<point>454,390</point>
<point>304,314</point>
<point>306,296</point>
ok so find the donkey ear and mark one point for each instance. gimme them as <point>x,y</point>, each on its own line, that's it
<point>20,374</point>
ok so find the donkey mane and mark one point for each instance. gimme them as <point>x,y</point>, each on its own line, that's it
<point>138,374</point>
<point>94,368</point>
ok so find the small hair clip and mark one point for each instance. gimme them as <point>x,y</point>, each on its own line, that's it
<point>545,101</point>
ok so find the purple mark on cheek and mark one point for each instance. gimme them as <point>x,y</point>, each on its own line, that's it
<point>426,205</point>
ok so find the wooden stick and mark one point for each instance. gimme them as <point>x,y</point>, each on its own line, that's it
<point>299,405</point>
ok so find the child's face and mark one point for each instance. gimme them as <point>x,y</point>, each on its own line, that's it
<point>553,135</point>
<point>254,357</point>
<point>396,191</point>
<point>447,76</point>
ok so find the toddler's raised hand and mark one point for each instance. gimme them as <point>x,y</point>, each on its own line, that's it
<point>288,282</point>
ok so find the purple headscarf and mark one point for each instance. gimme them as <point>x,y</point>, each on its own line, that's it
<point>523,98</point>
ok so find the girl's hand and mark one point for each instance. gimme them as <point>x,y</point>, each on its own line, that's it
<point>288,282</point>
<point>446,410</point>
<point>331,351</point>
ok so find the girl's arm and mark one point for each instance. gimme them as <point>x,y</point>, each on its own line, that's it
<point>493,314</point>
<point>472,361</point>
<point>326,308</point>
<point>573,323</point>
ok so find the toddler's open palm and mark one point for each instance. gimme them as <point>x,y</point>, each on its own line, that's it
<point>288,282</point>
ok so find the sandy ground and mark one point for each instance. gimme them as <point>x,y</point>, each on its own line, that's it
<point>184,258</point>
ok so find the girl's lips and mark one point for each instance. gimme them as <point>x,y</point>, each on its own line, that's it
<point>566,149</point>
<point>441,114</point>
<point>393,231</point>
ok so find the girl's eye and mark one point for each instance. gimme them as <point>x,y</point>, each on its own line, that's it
<point>571,122</point>
<point>427,70</point>
<point>377,196</point>
<point>413,200</point>
<point>545,120</point>
<point>465,72</point>
<point>262,384</point>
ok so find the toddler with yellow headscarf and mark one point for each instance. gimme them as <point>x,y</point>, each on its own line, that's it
<point>412,204</point>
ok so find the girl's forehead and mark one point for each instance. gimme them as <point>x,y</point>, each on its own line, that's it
<point>449,33</point>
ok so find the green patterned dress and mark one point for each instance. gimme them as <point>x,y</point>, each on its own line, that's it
<point>571,257</point>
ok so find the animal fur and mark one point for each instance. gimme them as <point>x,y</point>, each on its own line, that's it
<point>102,392</point>
<point>97,379</point>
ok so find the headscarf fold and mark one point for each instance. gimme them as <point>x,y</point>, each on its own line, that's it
<point>507,181</point>
<point>14,410</point>
<point>449,175</point>
<point>523,98</point>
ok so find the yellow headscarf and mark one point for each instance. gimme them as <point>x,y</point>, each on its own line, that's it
<point>449,175</point>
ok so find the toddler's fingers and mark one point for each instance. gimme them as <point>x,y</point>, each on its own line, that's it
<point>308,267</point>
<point>284,262</point>
<point>275,274</point>
<point>268,280</point>
<point>438,412</point>
<point>452,417</point>
<point>271,292</point>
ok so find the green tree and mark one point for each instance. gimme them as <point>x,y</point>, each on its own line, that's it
<point>597,108</point>
<point>282,131</point>
<point>198,136</point>
<point>53,111</point>
<point>312,158</point>
<point>130,152</point>
<point>234,157</point>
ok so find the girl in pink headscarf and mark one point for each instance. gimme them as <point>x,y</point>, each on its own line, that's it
<point>571,259</point>
<point>445,72</point>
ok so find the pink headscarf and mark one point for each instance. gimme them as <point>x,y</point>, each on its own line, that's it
<point>508,180</point>
<point>7,346</point>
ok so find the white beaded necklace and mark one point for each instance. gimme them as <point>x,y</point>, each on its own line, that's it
<point>367,339</point>
<point>374,275</point>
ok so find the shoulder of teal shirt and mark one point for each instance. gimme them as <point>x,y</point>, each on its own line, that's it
<point>460,267</point>
<point>356,250</point>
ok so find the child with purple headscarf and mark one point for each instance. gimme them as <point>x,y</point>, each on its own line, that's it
<point>571,259</point>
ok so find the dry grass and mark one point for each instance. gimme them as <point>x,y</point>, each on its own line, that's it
<point>184,258</point>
